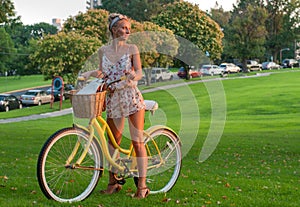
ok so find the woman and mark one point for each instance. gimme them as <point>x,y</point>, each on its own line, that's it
<point>124,99</point>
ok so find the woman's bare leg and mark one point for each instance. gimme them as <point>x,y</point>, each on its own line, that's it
<point>116,126</point>
<point>136,127</point>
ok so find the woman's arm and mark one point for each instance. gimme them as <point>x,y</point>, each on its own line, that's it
<point>95,73</point>
<point>136,64</point>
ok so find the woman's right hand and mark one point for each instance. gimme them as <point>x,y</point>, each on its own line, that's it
<point>86,75</point>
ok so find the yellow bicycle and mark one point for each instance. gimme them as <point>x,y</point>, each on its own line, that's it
<point>72,160</point>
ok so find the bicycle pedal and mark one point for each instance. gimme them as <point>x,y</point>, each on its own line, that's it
<point>121,182</point>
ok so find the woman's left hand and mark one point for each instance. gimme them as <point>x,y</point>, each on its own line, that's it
<point>131,75</point>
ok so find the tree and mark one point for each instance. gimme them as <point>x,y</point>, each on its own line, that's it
<point>6,10</point>
<point>63,54</point>
<point>188,21</point>
<point>139,10</point>
<point>222,18</point>
<point>22,35</point>
<point>157,46</point>
<point>37,31</point>
<point>7,51</point>
<point>150,38</point>
<point>93,23</point>
<point>198,32</point>
<point>282,25</point>
<point>247,33</point>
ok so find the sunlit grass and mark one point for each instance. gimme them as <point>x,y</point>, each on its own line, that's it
<point>12,83</point>
<point>256,162</point>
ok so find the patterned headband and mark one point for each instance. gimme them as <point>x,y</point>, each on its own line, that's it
<point>115,20</point>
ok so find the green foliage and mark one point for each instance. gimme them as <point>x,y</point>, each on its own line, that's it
<point>152,45</point>
<point>23,37</point>
<point>157,44</point>
<point>283,16</point>
<point>281,28</point>
<point>22,34</point>
<point>6,10</point>
<point>93,23</point>
<point>247,33</point>
<point>37,31</point>
<point>139,10</point>
<point>188,21</point>
<point>220,16</point>
<point>255,164</point>
<point>7,50</point>
<point>64,54</point>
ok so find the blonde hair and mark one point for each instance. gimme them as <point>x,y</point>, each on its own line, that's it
<point>114,18</point>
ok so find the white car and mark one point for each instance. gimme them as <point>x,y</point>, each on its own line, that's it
<point>35,97</point>
<point>211,70</point>
<point>230,68</point>
<point>161,74</point>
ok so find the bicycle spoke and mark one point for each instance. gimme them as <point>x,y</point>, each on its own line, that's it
<point>63,182</point>
<point>164,161</point>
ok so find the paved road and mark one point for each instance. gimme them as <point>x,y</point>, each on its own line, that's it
<point>37,116</point>
<point>68,111</point>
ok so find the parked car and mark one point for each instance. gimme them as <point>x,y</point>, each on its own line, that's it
<point>193,73</point>
<point>211,70</point>
<point>35,97</point>
<point>230,68</point>
<point>56,93</point>
<point>290,63</point>
<point>253,65</point>
<point>9,102</point>
<point>270,66</point>
<point>161,74</point>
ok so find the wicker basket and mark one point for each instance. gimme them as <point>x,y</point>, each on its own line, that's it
<point>88,106</point>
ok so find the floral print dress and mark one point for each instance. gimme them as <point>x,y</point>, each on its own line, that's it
<point>125,98</point>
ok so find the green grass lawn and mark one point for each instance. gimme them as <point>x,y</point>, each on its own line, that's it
<point>256,163</point>
<point>12,83</point>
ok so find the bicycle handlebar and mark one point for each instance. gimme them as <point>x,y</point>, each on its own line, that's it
<point>115,81</point>
<point>103,86</point>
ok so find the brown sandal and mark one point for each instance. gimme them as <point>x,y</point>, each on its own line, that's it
<point>142,193</point>
<point>112,188</point>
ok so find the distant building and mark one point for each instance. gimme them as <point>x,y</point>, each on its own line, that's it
<point>93,4</point>
<point>57,23</point>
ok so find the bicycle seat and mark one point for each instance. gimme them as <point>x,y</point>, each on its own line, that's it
<point>151,105</point>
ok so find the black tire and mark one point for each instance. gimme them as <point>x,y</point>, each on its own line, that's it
<point>60,181</point>
<point>163,175</point>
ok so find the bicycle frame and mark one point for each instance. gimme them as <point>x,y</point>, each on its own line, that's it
<point>101,127</point>
<point>86,148</point>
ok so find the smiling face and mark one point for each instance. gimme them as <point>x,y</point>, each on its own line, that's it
<point>121,30</point>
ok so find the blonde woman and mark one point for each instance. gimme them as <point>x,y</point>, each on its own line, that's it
<point>124,99</point>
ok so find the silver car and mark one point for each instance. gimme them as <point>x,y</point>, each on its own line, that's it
<point>35,97</point>
<point>230,68</point>
<point>211,70</point>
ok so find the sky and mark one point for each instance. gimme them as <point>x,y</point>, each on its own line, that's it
<point>36,11</point>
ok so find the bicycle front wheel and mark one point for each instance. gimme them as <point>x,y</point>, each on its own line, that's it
<point>164,160</point>
<point>58,178</point>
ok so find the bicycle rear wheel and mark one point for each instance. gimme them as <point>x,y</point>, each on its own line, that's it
<point>60,181</point>
<point>164,160</point>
